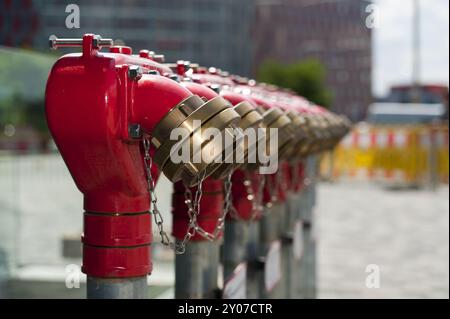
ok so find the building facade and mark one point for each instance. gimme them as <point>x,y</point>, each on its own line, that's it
<point>210,32</point>
<point>235,35</point>
<point>334,32</point>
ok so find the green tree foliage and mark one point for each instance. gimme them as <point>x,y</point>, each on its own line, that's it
<point>307,78</point>
<point>22,87</point>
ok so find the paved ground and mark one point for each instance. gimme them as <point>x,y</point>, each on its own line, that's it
<point>404,232</point>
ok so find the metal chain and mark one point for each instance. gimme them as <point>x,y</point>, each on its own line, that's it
<point>194,212</point>
<point>192,204</point>
<point>159,221</point>
<point>272,191</point>
<point>259,197</point>
<point>255,199</point>
<point>228,204</point>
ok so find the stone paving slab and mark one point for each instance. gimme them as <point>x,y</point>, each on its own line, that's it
<point>404,232</point>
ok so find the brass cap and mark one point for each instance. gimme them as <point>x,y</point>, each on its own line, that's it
<point>215,113</point>
<point>250,118</point>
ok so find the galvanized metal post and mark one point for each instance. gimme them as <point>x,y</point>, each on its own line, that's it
<point>196,271</point>
<point>117,288</point>
<point>290,263</point>
<point>310,244</point>
<point>269,233</point>
<point>235,245</point>
<point>211,269</point>
<point>302,273</point>
<point>254,262</point>
<point>306,284</point>
<point>189,270</point>
<point>285,234</point>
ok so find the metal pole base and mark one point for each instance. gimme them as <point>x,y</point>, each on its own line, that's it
<point>235,245</point>
<point>269,232</point>
<point>306,288</point>
<point>196,270</point>
<point>211,271</point>
<point>254,266</point>
<point>117,288</point>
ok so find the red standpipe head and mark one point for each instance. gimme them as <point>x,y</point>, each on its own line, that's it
<point>294,176</point>
<point>211,203</point>
<point>243,197</point>
<point>92,101</point>
<point>224,167</point>
<point>236,98</point>
<point>208,79</point>
<point>275,187</point>
<point>244,201</point>
<point>201,90</point>
<point>211,207</point>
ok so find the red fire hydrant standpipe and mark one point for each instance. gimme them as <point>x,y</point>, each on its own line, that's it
<point>247,197</point>
<point>266,236</point>
<point>196,270</point>
<point>234,248</point>
<point>110,114</point>
<point>288,216</point>
<point>268,271</point>
<point>234,235</point>
<point>242,229</point>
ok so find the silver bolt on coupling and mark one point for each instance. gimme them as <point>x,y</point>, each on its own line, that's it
<point>97,42</point>
<point>135,72</point>
<point>160,58</point>
<point>135,131</point>
<point>174,77</point>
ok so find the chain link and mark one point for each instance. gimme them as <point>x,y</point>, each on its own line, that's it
<point>193,205</point>
<point>228,205</point>
<point>272,189</point>
<point>255,199</point>
<point>194,210</point>
<point>159,221</point>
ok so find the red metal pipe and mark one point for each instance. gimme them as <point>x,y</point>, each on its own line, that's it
<point>243,205</point>
<point>211,203</point>
<point>90,102</point>
<point>211,207</point>
<point>241,202</point>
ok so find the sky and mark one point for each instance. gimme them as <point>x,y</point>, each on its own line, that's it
<point>392,43</point>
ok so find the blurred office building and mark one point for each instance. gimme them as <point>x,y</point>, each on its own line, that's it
<point>234,35</point>
<point>211,32</point>
<point>334,32</point>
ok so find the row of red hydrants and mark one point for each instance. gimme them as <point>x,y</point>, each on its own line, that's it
<point>112,113</point>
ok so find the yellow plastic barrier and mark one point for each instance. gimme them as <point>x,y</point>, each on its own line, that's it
<point>410,154</point>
